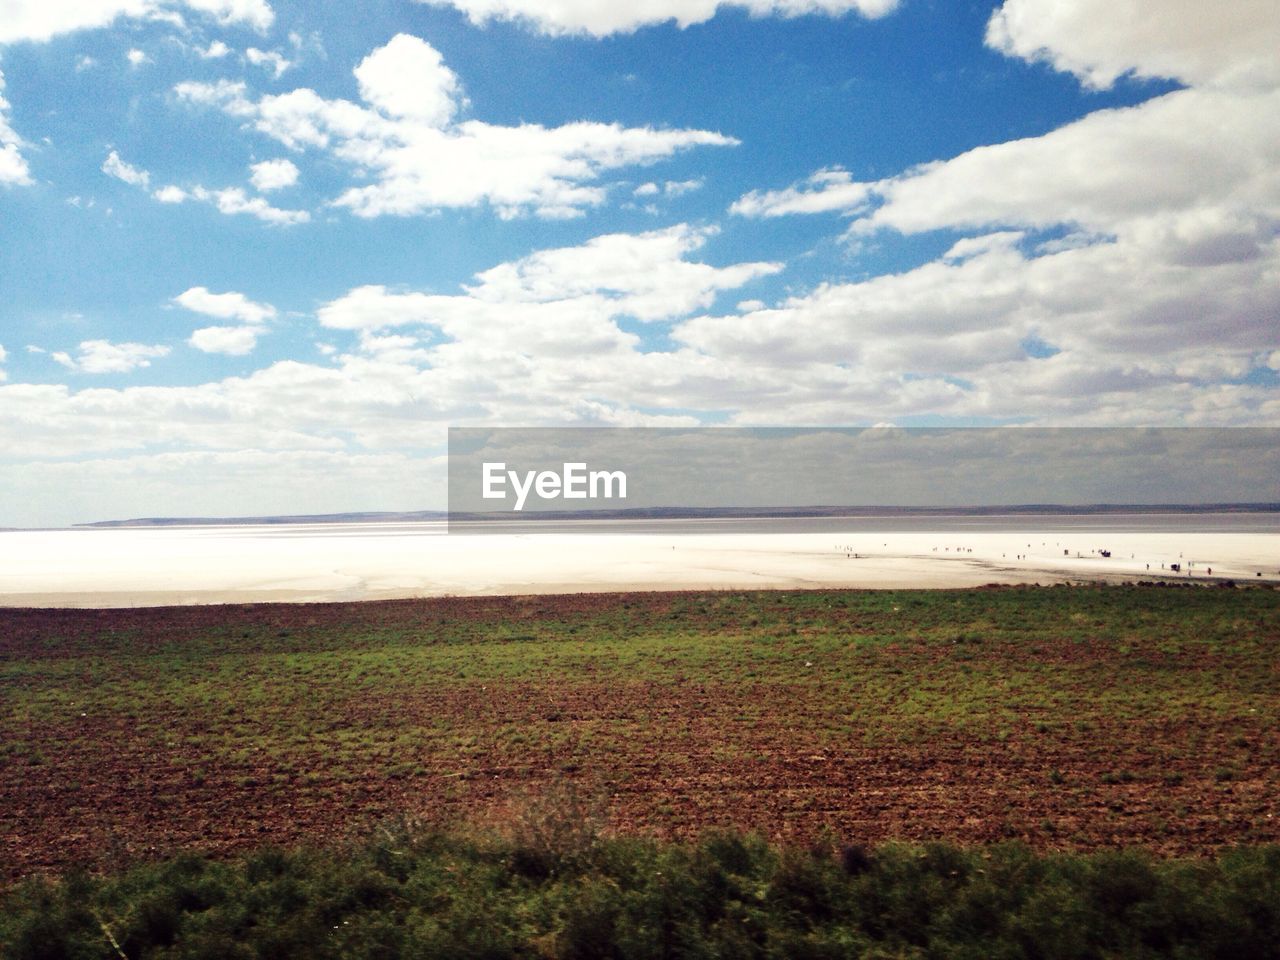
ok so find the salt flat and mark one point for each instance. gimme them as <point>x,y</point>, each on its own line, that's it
<point>126,566</point>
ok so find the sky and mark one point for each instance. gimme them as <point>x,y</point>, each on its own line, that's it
<point>257,256</point>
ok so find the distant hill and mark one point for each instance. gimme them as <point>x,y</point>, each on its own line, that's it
<point>367,517</point>
<point>707,513</point>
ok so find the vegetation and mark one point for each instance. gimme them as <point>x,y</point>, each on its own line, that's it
<point>410,892</point>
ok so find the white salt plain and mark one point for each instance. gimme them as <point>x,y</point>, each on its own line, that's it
<point>125,566</point>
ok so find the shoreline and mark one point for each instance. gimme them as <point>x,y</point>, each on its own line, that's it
<point>161,600</point>
<point>187,566</point>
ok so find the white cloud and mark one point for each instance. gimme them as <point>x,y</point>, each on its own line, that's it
<point>1219,44</point>
<point>273,175</point>
<point>417,166</point>
<point>100,356</point>
<point>272,60</point>
<point>13,166</point>
<point>230,340</point>
<point>603,17</point>
<point>228,200</point>
<point>1130,326</point>
<point>407,79</point>
<point>827,190</point>
<point>671,188</point>
<point>231,201</point>
<point>40,20</point>
<point>225,306</point>
<point>646,276</point>
<point>648,273</point>
<point>1143,168</point>
<point>137,58</point>
<point>113,166</point>
<point>233,341</point>
<point>677,188</point>
<point>537,341</point>
<point>85,62</point>
<point>214,51</point>
<point>1128,242</point>
<point>254,13</point>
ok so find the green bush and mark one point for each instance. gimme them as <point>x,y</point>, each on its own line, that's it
<point>414,892</point>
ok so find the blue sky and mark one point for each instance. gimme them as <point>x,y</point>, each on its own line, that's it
<point>257,256</point>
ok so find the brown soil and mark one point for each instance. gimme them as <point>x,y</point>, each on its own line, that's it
<point>667,756</point>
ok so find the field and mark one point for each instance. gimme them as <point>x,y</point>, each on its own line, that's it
<point>1071,718</point>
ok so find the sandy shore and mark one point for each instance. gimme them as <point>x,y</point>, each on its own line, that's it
<point>184,565</point>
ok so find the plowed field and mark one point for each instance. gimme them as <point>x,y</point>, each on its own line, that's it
<point>1069,717</point>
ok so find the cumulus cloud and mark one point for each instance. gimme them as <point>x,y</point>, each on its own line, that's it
<point>1119,330</point>
<point>1099,41</point>
<point>822,192</point>
<point>271,60</point>
<point>113,166</point>
<point>13,166</point>
<point>273,175</point>
<point>232,341</point>
<point>137,58</point>
<point>214,51</point>
<point>225,306</point>
<point>1108,171</point>
<point>101,356</point>
<point>535,338</point>
<point>1101,259</point>
<point>646,276</point>
<point>39,21</point>
<point>419,160</point>
<point>232,201</point>
<point>538,341</point>
<point>1202,153</point>
<point>603,17</point>
<point>228,200</point>
<point>671,188</point>
<point>254,13</point>
<point>407,78</point>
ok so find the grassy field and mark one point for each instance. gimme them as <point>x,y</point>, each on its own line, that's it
<point>1067,718</point>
